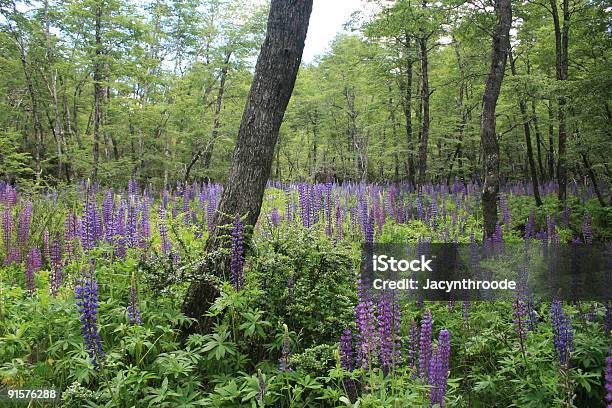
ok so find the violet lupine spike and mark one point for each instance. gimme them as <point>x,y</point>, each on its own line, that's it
<point>132,223</point>
<point>25,217</point>
<point>413,346</point>
<point>237,254</point>
<point>166,246</point>
<point>552,230</point>
<point>347,359</point>
<point>503,205</point>
<point>144,230</point>
<point>46,248</point>
<point>133,308</point>
<point>366,329</point>
<point>530,226</point>
<point>30,271</point>
<point>438,369</point>
<point>425,345</point>
<point>55,280</point>
<point>86,294</point>
<point>7,229</point>
<point>519,313</point>
<point>563,337</point>
<point>107,215</point>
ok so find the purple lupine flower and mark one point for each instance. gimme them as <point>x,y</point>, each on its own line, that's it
<point>237,260</point>
<point>519,313</point>
<point>413,346</point>
<point>133,309</point>
<point>132,223</point>
<point>388,331</point>
<point>339,211</point>
<point>425,345</point>
<point>347,359</point>
<point>166,246</point>
<point>86,294</point>
<point>369,226</point>
<point>55,280</point>
<point>587,232</point>
<point>46,251</point>
<point>552,230</point>
<point>144,225</point>
<point>364,313</point>
<point>438,373</point>
<point>305,204</point>
<point>285,351</point>
<point>563,337</point>
<point>33,263</point>
<point>276,217</point>
<point>608,378</point>
<point>107,215</point>
<point>25,217</point>
<point>346,350</point>
<point>7,228</point>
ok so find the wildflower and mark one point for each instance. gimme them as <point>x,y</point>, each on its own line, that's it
<point>388,331</point>
<point>425,345</point>
<point>364,313</point>
<point>438,373</point>
<point>413,344</point>
<point>237,260</point>
<point>86,293</point>
<point>530,226</point>
<point>133,309</point>
<point>563,338</point>
<point>25,217</point>
<point>33,264</point>
<point>346,362</point>
<point>519,312</point>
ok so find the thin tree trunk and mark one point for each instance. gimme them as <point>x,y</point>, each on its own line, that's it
<point>551,142</point>
<point>425,100</point>
<point>593,179</point>
<point>97,92</point>
<point>273,82</point>
<point>539,142</point>
<point>527,131</point>
<point>488,135</point>
<point>407,105</point>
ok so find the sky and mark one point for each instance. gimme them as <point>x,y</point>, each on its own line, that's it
<point>326,22</point>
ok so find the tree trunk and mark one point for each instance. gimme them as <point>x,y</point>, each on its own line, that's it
<point>97,76</point>
<point>425,101</point>
<point>407,105</point>
<point>273,82</point>
<point>527,131</point>
<point>488,136</point>
<point>551,142</point>
<point>561,60</point>
<point>593,179</point>
<point>539,142</point>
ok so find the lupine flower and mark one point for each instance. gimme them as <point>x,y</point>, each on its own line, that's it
<point>563,337</point>
<point>166,246</point>
<point>86,293</point>
<point>237,261</point>
<point>388,331</point>
<point>33,263</point>
<point>132,224</point>
<point>25,217</point>
<point>364,312</point>
<point>339,210</point>
<point>519,313</point>
<point>425,345</point>
<point>7,228</point>
<point>285,351</point>
<point>438,372</point>
<point>107,215</point>
<point>530,226</point>
<point>133,308</point>
<point>46,251</point>
<point>413,346</point>
<point>346,362</point>
<point>503,205</point>
<point>552,230</point>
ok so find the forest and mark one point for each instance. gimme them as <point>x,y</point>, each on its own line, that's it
<point>188,206</point>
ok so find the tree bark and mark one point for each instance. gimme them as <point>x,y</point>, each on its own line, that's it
<point>539,142</point>
<point>561,60</point>
<point>527,130</point>
<point>406,84</point>
<point>97,77</point>
<point>273,82</point>
<point>488,136</point>
<point>425,101</point>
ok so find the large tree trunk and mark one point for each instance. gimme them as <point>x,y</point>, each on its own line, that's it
<point>273,81</point>
<point>425,101</point>
<point>406,84</point>
<point>488,136</point>
<point>527,131</point>
<point>97,77</point>
<point>561,59</point>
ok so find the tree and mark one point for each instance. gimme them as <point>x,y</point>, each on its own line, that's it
<point>275,75</point>
<point>488,134</point>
